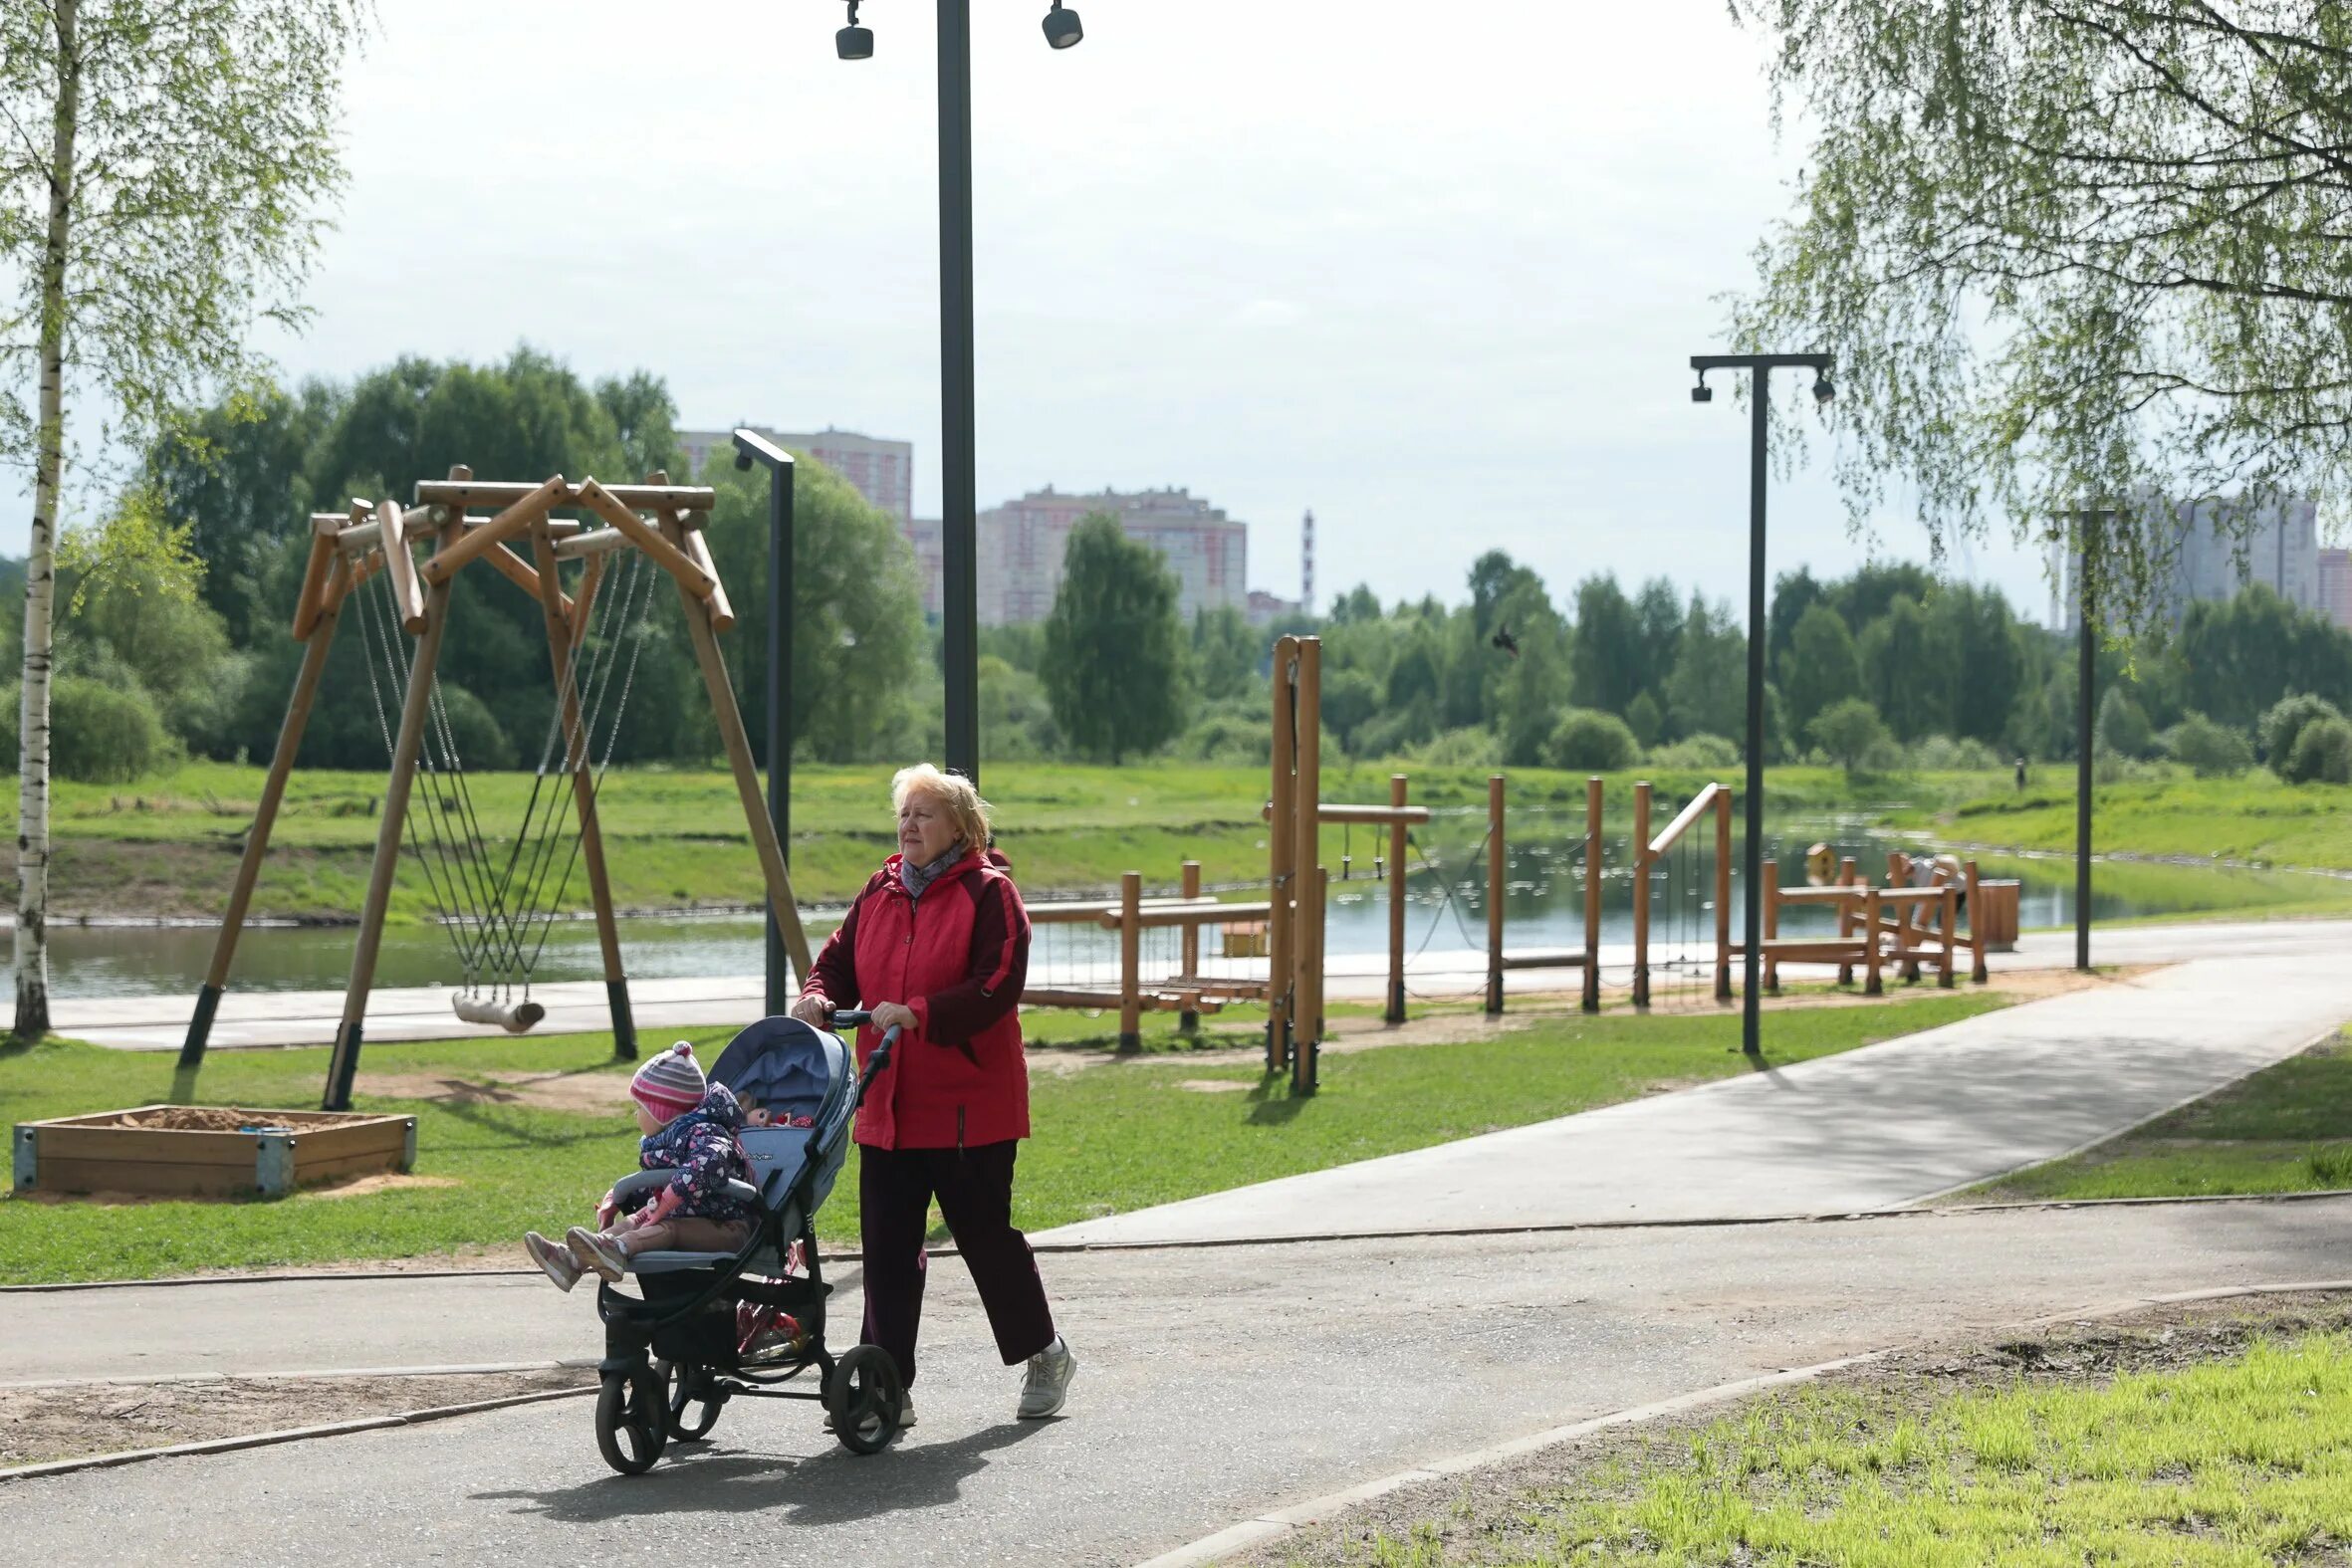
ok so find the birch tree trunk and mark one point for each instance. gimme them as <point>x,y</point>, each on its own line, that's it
<point>32,834</point>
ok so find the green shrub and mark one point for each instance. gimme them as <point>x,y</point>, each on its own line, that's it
<point>1697,753</point>
<point>1852,733</point>
<point>97,733</point>
<point>2210,749</point>
<point>2284,724</point>
<point>1226,738</point>
<point>2123,728</point>
<point>1470,747</point>
<point>481,744</point>
<point>1941,754</point>
<point>2322,753</point>
<point>1591,742</point>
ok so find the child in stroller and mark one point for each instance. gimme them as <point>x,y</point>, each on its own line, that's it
<point>711,1322</point>
<point>690,1126</point>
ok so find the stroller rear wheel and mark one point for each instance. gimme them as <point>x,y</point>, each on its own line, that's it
<point>691,1392</point>
<point>864,1396</point>
<point>632,1420</point>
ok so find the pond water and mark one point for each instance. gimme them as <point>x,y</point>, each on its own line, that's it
<point>1446,910</point>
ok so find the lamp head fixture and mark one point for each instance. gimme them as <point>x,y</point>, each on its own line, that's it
<point>743,462</point>
<point>1063,27</point>
<point>1823,392</point>
<point>1702,393</point>
<point>855,42</point>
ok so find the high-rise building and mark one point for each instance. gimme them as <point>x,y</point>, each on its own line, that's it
<point>882,471</point>
<point>2335,587</point>
<point>2221,549</point>
<point>1021,544</point>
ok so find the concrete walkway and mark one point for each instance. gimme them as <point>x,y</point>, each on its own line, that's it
<point>1869,1129</point>
<point>1214,1386</point>
<point>262,1018</point>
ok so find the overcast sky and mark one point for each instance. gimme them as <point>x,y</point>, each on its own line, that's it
<point>1434,271</point>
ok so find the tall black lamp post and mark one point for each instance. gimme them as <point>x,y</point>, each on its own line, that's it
<point>752,447</point>
<point>959,479</point>
<point>2087,528</point>
<point>1760,367</point>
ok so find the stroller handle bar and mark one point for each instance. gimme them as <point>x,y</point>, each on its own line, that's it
<point>881,1056</point>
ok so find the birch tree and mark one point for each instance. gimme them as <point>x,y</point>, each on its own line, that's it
<point>2070,251</point>
<point>163,169</point>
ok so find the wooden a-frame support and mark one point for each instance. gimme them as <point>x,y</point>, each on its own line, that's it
<point>346,551</point>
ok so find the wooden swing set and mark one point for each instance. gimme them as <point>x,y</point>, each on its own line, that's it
<point>499,896</point>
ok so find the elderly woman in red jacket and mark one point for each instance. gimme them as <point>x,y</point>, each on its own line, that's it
<point>937,945</point>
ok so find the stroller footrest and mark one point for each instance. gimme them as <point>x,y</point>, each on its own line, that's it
<point>668,1262</point>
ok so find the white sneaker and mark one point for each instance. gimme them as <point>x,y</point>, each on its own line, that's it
<point>596,1255</point>
<point>906,1413</point>
<point>1048,1385</point>
<point>559,1264</point>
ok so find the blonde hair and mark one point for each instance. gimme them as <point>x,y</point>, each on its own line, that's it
<point>964,807</point>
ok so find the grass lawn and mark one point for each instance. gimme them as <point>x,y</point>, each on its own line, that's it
<point>2286,1129</point>
<point>1112,1136</point>
<point>2242,1461</point>
<point>2252,818</point>
<point>168,845</point>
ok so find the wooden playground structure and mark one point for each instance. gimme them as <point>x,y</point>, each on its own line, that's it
<point>498,895</point>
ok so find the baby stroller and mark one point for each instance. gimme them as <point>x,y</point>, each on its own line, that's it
<point>672,1359</point>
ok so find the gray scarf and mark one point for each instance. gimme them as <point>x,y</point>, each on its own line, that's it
<point>915,878</point>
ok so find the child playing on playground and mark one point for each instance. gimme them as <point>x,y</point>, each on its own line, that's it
<point>689,1126</point>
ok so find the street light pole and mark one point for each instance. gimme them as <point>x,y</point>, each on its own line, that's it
<point>752,447</point>
<point>1760,368</point>
<point>958,477</point>
<point>2085,737</point>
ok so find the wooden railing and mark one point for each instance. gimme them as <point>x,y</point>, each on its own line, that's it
<point>1648,852</point>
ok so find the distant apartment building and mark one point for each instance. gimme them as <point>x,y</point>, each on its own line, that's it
<point>1022,545</point>
<point>882,471</point>
<point>2335,587</point>
<point>1265,608</point>
<point>2216,555</point>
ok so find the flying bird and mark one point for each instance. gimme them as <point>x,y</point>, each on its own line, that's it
<point>1505,642</point>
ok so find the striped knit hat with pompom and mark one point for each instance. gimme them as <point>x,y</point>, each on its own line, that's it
<point>671,1084</point>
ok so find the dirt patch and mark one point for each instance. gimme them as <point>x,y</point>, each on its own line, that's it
<point>1496,1515</point>
<point>38,1426</point>
<point>360,1187</point>
<point>1217,1085</point>
<point>592,1092</point>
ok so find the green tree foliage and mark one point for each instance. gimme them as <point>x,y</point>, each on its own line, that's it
<point>1226,654</point>
<point>2210,749</point>
<point>1609,668</point>
<point>2237,655</point>
<point>2122,729</point>
<point>1645,720</point>
<point>1822,666</point>
<point>105,733</point>
<point>2322,753</point>
<point>1114,649</point>
<point>1591,742</point>
<point>1851,731</point>
<point>2284,723</point>
<point>1908,669</point>
<point>1707,693</point>
<point>2065,251</point>
<point>856,609</point>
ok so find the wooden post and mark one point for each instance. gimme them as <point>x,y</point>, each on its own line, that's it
<point>747,773</point>
<point>1722,895</point>
<point>1307,944</point>
<point>1978,971</point>
<point>1189,1020</point>
<point>1947,910</point>
<point>1875,984</point>
<point>321,639</point>
<point>1495,861</point>
<point>1130,962</point>
<point>1771,924</point>
<point>1847,913</point>
<point>1306,1054</point>
<point>578,761</point>
<point>1281,860</point>
<point>343,1064</point>
<point>1399,787</point>
<point>1641,893</point>
<point>1593,882</point>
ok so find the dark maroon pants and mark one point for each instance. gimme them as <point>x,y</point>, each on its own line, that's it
<point>975,1192</point>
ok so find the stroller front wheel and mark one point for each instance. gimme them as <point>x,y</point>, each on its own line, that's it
<point>863,1396</point>
<point>632,1420</point>
<point>692,1390</point>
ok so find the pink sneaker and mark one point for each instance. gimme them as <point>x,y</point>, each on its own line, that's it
<point>598,1253</point>
<point>559,1264</point>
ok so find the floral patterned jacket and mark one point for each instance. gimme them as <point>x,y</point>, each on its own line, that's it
<point>701,1147</point>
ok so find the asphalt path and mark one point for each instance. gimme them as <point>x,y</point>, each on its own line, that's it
<point>1215,1384</point>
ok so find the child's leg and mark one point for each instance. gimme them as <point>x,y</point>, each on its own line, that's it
<point>683,1234</point>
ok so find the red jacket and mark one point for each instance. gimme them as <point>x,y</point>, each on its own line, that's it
<point>959,957</point>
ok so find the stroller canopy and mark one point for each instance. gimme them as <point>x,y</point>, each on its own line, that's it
<point>786,1067</point>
